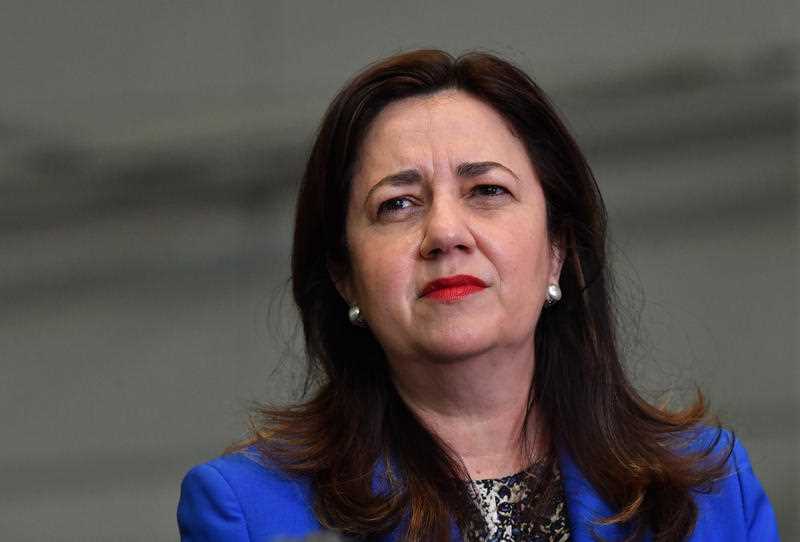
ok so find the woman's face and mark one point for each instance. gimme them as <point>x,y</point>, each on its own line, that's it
<point>444,190</point>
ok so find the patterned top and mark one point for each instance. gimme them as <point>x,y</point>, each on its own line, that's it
<point>528,506</point>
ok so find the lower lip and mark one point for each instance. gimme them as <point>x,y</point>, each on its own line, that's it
<point>454,293</point>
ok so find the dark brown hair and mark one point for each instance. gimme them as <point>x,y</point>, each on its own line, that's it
<point>629,450</point>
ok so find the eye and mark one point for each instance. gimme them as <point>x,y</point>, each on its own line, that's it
<point>393,205</point>
<point>490,190</point>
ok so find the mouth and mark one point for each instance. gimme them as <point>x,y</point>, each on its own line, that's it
<point>452,288</point>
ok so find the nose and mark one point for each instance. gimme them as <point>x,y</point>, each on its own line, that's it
<point>446,229</point>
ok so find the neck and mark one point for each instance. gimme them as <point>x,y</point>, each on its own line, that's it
<point>477,407</point>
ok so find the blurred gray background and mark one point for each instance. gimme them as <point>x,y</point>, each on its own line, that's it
<point>149,158</point>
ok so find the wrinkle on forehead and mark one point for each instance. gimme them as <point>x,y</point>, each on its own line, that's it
<point>407,134</point>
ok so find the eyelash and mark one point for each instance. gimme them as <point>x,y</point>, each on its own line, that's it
<point>502,191</point>
<point>386,206</point>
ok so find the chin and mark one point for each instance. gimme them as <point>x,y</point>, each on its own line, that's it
<point>451,346</point>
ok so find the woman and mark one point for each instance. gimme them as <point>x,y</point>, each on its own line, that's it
<point>450,271</point>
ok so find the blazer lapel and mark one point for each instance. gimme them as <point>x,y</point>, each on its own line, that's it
<point>585,506</point>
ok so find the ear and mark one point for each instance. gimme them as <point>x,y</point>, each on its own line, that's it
<point>556,261</point>
<point>340,277</point>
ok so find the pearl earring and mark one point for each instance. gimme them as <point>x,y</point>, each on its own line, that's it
<point>553,295</point>
<point>354,313</point>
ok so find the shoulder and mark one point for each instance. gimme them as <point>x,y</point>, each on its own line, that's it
<point>239,496</point>
<point>733,508</point>
<point>735,504</point>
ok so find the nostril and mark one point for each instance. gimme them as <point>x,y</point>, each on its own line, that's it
<point>429,252</point>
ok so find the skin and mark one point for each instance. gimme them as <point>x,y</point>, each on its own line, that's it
<point>463,366</point>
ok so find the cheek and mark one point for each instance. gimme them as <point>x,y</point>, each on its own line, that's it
<point>527,287</point>
<point>523,262</point>
<point>383,277</point>
<point>528,271</point>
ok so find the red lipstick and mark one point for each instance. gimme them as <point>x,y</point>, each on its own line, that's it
<point>453,288</point>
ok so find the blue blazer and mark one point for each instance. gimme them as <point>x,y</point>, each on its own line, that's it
<point>239,498</point>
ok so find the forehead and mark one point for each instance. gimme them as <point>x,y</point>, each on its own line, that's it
<point>428,132</point>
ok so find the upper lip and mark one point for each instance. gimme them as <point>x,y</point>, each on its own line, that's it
<point>451,282</point>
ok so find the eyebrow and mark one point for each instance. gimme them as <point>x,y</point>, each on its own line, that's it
<point>476,169</point>
<point>464,169</point>
<point>405,177</point>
